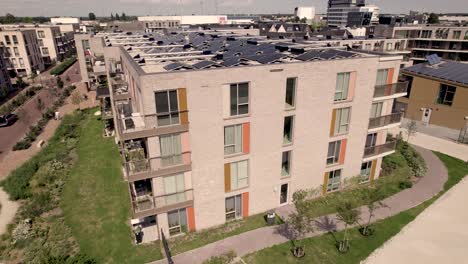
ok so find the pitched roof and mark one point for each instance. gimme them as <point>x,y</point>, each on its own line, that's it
<point>447,70</point>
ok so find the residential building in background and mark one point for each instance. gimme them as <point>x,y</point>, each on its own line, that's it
<point>337,11</point>
<point>4,77</point>
<point>305,12</point>
<point>277,30</point>
<point>65,20</point>
<point>190,111</point>
<point>186,20</point>
<point>21,52</point>
<point>437,94</point>
<point>90,53</point>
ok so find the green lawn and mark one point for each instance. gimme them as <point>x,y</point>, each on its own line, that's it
<point>96,201</point>
<point>322,249</point>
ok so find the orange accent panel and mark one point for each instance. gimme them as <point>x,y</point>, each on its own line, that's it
<point>191,218</point>
<point>343,150</point>
<point>227,177</point>
<point>325,182</point>
<point>184,118</point>
<point>373,167</point>
<point>245,204</point>
<point>182,99</point>
<point>352,85</point>
<point>246,138</point>
<point>391,72</point>
<point>332,125</point>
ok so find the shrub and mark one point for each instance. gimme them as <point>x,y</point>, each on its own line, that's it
<point>405,184</point>
<point>223,259</point>
<point>39,204</point>
<point>24,143</point>
<point>61,68</point>
<point>414,160</point>
<point>17,184</point>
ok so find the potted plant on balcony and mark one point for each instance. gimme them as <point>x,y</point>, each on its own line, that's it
<point>137,159</point>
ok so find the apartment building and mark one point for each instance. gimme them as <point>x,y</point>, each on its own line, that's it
<point>217,128</point>
<point>437,94</point>
<point>448,42</point>
<point>21,52</point>
<point>90,53</point>
<point>337,11</point>
<point>4,77</point>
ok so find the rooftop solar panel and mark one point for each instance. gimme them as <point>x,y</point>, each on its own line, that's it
<point>204,64</point>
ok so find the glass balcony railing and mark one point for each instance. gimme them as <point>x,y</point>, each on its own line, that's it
<point>136,167</point>
<point>390,89</point>
<point>379,149</point>
<point>148,202</point>
<point>385,120</point>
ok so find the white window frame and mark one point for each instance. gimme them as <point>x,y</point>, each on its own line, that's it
<point>380,80</point>
<point>291,140</point>
<point>334,184</point>
<point>237,177</point>
<point>179,193</point>
<point>172,156</point>
<point>339,121</point>
<point>287,172</point>
<point>237,99</point>
<point>376,110</point>
<point>335,157</point>
<point>365,173</point>
<point>233,145</point>
<point>174,116</point>
<point>293,95</point>
<point>341,90</point>
<point>237,215</point>
<point>444,100</point>
<point>178,227</point>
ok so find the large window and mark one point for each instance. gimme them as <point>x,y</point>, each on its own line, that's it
<point>291,92</point>
<point>15,40</point>
<point>376,110</point>
<point>239,99</point>
<point>40,34</point>
<point>456,34</point>
<point>177,221</point>
<point>167,108</point>
<point>171,150</point>
<point>288,129</point>
<point>334,180</point>
<point>342,120</point>
<point>21,62</point>
<point>174,187</point>
<point>232,139</point>
<point>382,76</point>
<point>40,42</point>
<point>45,51</point>
<point>333,154</point>
<point>286,164</point>
<point>446,94</point>
<point>16,51</point>
<point>233,207</point>
<point>365,171</point>
<point>342,86</point>
<point>239,174</point>
<point>371,140</point>
<point>7,40</point>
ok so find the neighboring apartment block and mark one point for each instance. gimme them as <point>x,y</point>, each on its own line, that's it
<point>437,94</point>
<point>4,77</point>
<point>216,128</point>
<point>90,53</point>
<point>21,52</point>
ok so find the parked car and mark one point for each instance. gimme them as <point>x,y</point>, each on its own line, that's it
<point>8,119</point>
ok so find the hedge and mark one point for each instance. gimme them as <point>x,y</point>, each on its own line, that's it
<point>19,100</point>
<point>62,67</point>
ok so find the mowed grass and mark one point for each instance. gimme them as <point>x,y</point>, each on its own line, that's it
<point>322,249</point>
<point>96,202</point>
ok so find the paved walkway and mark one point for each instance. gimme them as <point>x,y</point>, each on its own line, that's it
<point>14,159</point>
<point>438,235</point>
<point>249,242</point>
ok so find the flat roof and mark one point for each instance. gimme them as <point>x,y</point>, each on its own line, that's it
<point>446,70</point>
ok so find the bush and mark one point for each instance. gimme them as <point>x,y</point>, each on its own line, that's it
<point>24,143</point>
<point>61,68</point>
<point>414,160</point>
<point>405,184</point>
<point>223,259</point>
<point>17,183</point>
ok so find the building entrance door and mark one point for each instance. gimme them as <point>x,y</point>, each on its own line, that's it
<point>284,194</point>
<point>426,116</point>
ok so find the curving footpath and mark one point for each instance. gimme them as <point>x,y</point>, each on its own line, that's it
<point>427,187</point>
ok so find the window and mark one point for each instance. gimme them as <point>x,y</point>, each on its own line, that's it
<point>15,40</point>
<point>40,34</point>
<point>342,86</point>
<point>371,140</point>
<point>426,34</point>
<point>167,108</point>
<point>171,150</point>
<point>333,155</point>
<point>389,46</point>
<point>365,171</point>
<point>446,94</point>
<point>368,46</point>
<point>177,221</point>
<point>233,207</point>
<point>342,120</point>
<point>45,51</point>
<point>239,99</point>
<point>16,51</point>
<point>232,139</point>
<point>382,76</point>
<point>286,164</point>
<point>456,34</point>
<point>7,40</point>
<point>174,187</point>
<point>288,130</point>
<point>334,180</point>
<point>239,174</point>
<point>291,92</point>
<point>13,62</point>
<point>21,62</point>
<point>85,44</point>
<point>409,79</point>
<point>376,110</point>
<point>40,42</point>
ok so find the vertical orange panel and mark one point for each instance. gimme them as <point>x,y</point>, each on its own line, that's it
<point>391,71</point>
<point>343,150</point>
<point>227,177</point>
<point>352,85</point>
<point>183,105</point>
<point>332,125</point>
<point>373,167</point>
<point>245,204</point>
<point>246,138</point>
<point>325,182</point>
<point>191,219</point>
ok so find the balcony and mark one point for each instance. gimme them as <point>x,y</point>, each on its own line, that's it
<point>390,91</point>
<point>138,169</point>
<point>147,205</point>
<point>379,151</point>
<point>384,122</point>
<point>119,88</point>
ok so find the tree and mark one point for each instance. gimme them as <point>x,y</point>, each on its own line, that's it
<point>301,221</point>
<point>10,19</point>
<point>33,76</point>
<point>76,99</point>
<point>433,18</point>
<point>59,82</point>
<point>411,128</point>
<point>112,17</point>
<point>123,17</point>
<point>373,200</point>
<point>92,16</point>
<point>20,82</point>
<point>27,20</point>
<point>304,20</point>
<point>348,215</point>
<point>3,92</point>
<point>117,17</point>
<point>39,104</point>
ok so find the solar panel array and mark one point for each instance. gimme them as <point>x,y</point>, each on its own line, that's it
<point>433,59</point>
<point>445,70</point>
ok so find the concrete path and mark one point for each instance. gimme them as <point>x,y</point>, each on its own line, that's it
<point>7,212</point>
<point>438,235</point>
<point>249,242</point>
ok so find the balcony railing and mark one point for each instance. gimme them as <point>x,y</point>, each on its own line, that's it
<point>136,167</point>
<point>149,202</point>
<point>390,89</point>
<point>385,120</point>
<point>379,149</point>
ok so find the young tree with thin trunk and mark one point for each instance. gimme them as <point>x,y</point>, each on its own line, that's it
<point>76,99</point>
<point>40,104</point>
<point>411,128</point>
<point>348,215</point>
<point>373,200</point>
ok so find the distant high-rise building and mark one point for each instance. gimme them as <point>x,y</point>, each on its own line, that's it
<point>305,12</point>
<point>337,13</point>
